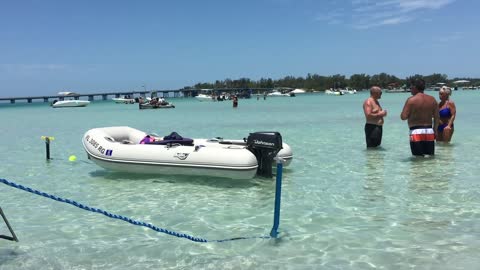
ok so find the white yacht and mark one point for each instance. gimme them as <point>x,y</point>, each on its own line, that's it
<point>69,101</point>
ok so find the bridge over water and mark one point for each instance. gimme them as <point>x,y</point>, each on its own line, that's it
<point>161,93</point>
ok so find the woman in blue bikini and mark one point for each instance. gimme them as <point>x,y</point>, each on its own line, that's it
<point>447,111</point>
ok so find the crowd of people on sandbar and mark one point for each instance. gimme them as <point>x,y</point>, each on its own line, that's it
<point>428,120</point>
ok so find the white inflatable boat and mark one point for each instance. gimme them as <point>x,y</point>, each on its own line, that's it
<point>122,149</point>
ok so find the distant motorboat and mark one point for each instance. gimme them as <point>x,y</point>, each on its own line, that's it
<point>165,105</point>
<point>277,94</point>
<point>124,100</point>
<point>396,90</point>
<point>156,103</point>
<point>204,97</point>
<point>348,91</point>
<point>333,92</point>
<point>69,103</point>
<point>298,91</point>
<point>67,93</point>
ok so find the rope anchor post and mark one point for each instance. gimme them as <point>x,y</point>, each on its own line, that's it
<point>278,195</point>
<point>13,237</point>
<point>47,140</point>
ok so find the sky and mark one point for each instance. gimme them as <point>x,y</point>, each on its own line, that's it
<point>96,46</point>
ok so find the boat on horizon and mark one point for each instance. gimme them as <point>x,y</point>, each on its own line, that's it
<point>70,101</point>
<point>276,93</point>
<point>204,97</point>
<point>298,91</point>
<point>124,100</point>
<point>333,92</point>
<point>397,90</point>
<point>144,106</point>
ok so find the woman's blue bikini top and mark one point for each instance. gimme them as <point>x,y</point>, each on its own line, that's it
<point>445,112</point>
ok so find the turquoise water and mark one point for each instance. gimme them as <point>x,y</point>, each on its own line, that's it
<point>343,207</point>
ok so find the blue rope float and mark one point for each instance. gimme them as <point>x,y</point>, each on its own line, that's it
<point>126,219</point>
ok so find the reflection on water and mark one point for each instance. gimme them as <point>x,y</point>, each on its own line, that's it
<point>217,182</point>
<point>428,192</point>
<point>431,174</point>
<point>7,255</point>
<point>374,174</point>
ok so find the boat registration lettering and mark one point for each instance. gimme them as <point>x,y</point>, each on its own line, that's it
<point>93,142</point>
<point>97,146</point>
<point>101,149</point>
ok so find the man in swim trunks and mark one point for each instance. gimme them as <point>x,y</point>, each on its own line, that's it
<point>374,117</point>
<point>420,109</point>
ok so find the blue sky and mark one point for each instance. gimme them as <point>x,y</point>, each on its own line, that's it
<point>91,46</point>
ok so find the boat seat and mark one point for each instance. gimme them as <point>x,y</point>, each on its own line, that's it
<point>174,138</point>
<point>183,141</point>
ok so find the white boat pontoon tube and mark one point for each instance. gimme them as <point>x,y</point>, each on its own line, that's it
<point>121,149</point>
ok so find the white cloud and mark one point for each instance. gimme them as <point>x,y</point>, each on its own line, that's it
<point>364,14</point>
<point>373,13</point>
<point>332,17</point>
<point>26,67</point>
<point>395,20</point>
<point>409,5</point>
<point>448,38</point>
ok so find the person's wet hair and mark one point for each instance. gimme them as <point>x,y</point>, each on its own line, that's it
<point>419,84</point>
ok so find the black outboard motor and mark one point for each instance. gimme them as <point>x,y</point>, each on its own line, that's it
<point>265,145</point>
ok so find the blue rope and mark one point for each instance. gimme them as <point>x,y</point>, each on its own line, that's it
<point>129,220</point>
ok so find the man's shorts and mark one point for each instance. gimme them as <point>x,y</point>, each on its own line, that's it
<point>422,140</point>
<point>373,135</point>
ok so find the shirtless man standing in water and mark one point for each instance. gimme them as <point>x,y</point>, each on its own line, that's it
<point>374,117</point>
<point>420,109</point>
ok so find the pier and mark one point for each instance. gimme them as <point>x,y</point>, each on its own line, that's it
<point>243,92</point>
<point>91,97</point>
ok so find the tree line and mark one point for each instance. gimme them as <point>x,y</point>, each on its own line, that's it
<point>315,82</point>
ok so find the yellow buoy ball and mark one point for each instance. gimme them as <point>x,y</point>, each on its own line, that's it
<point>72,158</point>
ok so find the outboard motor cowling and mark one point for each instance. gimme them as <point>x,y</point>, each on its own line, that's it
<point>265,145</point>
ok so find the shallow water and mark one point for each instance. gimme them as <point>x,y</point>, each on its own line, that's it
<point>343,207</point>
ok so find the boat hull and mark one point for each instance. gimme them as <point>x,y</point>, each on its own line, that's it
<point>149,106</point>
<point>124,100</point>
<point>70,103</point>
<point>174,169</point>
<point>278,94</point>
<point>203,97</point>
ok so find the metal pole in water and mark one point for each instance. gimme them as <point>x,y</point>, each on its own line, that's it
<point>13,237</point>
<point>278,195</point>
<point>47,145</point>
